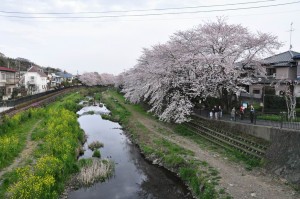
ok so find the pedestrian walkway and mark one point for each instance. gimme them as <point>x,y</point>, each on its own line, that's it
<point>246,120</point>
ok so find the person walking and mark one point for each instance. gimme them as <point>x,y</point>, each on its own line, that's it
<point>212,113</point>
<point>252,112</point>
<point>216,112</point>
<point>220,112</point>
<point>242,109</point>
<point>232,114</point>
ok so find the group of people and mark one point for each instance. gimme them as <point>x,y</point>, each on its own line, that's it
<point>216,112</point>
<point>242,113</point>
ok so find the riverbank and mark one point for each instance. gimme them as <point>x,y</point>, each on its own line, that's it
<point>156,145</point>
<point>208,173</point>
<point>51,157</point>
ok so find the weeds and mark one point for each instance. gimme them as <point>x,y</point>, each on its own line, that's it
<point>55,158</point>
<point>97,154</point>
<point>95,170</point>
<point>95,145</point>
<point>197,174</point>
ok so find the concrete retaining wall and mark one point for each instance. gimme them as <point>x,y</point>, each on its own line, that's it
<point>283,154</point>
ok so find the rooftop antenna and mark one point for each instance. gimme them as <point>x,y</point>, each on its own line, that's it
<point>291,30</point>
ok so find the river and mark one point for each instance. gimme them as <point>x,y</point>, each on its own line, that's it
<point>134,177</point>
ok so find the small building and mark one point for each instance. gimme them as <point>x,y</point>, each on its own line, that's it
<point>55,80</point>
<point>35,80</point>
<point>66,77</point>
<point>8,82</point>
<point>282,66</point>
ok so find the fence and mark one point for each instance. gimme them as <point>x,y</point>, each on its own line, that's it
<point>275,120</point>
<point>15,102</point>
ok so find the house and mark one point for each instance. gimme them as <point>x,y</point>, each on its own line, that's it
<point>282,66</point>
<point>66,77</point>
<point>35,80</point>
<point>8,82</point>
<point>55,80</point>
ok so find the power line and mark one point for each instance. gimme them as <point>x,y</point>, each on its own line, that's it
<point>140,10</point>
<point>150,14</point>
<point>167,19</point>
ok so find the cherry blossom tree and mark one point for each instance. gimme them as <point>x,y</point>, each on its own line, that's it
<point>197,63</point>
<point>94,79</point>
<point>107,79</point>
<point>90,78</point>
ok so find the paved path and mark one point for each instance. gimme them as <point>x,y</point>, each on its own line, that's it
<point>246,120</point>
<point>237,181</point>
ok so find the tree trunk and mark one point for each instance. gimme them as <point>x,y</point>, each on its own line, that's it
<point>290,99</point>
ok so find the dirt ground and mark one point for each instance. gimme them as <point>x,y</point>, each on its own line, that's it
<point>235,179</point>
<point>25,154</point>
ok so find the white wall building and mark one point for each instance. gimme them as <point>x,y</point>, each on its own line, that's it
<point>35,80</point>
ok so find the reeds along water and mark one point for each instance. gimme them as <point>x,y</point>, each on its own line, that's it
<point>98,170</point>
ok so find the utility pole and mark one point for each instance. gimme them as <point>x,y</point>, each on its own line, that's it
<point>291,30</point>
<point>19,70</point>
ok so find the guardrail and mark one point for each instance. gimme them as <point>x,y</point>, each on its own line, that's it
<point>15,102</point>
<point>280,122</point>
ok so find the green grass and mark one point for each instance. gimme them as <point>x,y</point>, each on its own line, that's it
<point>230,153</point>
<point>201,178</point>
<point>276,118</point>
<point>8,179</point>
<point>54,159</point>
<point>269,117</point>
<point>97,154</point>
<point>14,140</point>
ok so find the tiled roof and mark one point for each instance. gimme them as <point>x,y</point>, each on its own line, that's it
<point>64,74</point>
<point>7,69</point>
<point>281,59</point>
<point>37,70</point>
<point>296,57</point>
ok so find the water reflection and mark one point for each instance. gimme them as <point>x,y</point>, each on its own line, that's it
<point>134,177</point>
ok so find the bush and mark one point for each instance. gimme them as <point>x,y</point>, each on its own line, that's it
<point>275,102</point>
<point>12,135</point>
<point>95,145</point>
<point>97,154</point>
<point>56,158</point>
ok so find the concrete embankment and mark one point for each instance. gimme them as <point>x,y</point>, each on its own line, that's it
<point>283,154</point>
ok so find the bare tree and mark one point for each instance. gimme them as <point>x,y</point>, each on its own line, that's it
<point>288,91</point>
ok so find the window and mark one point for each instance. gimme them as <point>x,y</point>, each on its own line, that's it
<point>9,90</point>
<point>3,76</point>
<point>256,91</point>
<point>271,71</point>
<point>32,78</point>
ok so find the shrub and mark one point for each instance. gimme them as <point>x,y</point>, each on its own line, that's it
<point>97,154</point>
<point>95,145</point>
<point>56,158</point>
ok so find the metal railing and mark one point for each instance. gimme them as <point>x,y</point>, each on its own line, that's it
<point>280,121</point>
<point>15,102</point>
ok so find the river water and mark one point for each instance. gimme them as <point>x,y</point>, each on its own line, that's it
<point>134,177</point>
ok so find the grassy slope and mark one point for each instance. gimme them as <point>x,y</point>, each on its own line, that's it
<point>200,177</point>
<point>38,135</point>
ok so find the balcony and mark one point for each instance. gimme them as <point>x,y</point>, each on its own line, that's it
<point>31,82</point>
<point>8,81</point>
<point>11,81</point>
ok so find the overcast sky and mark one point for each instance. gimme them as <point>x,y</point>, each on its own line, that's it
<point>113,45</point>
